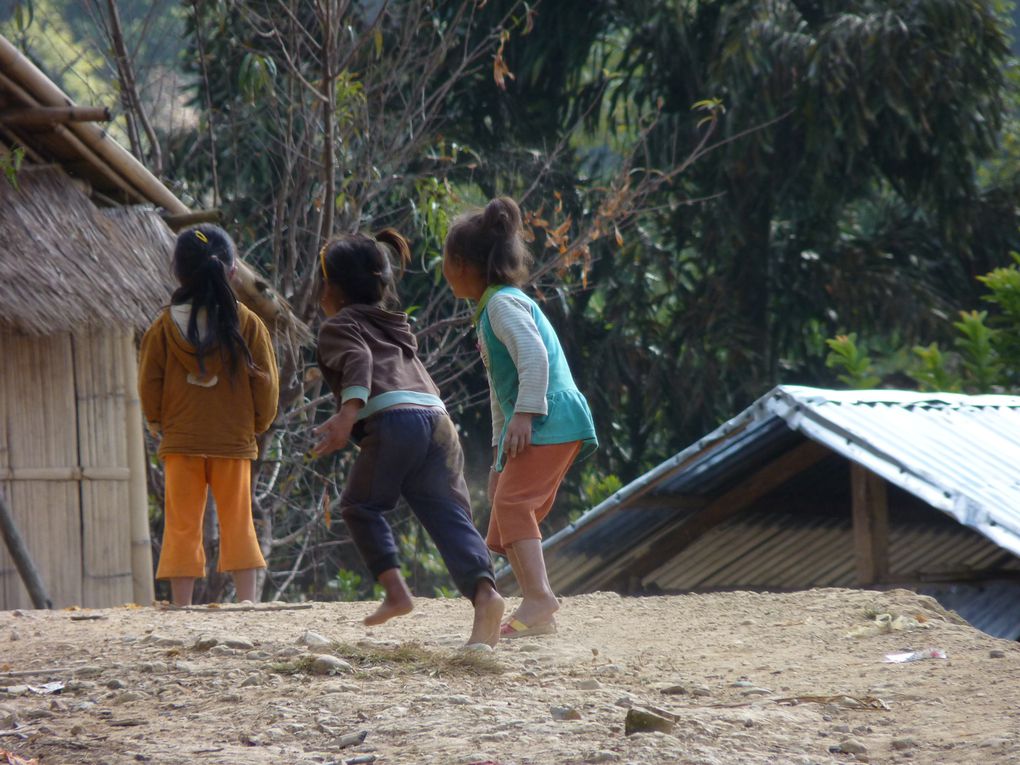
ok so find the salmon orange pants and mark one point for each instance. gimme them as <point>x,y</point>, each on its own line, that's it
<point>525,492</point>
<point>188,478</point>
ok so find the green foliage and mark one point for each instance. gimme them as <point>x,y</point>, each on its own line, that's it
<point>976,351</point>
<point>985,358</point>
<point>933,373</point>
<point>347,585</point>
<point>10,164</point>
<point>845,354</point>
<point>256,77</point>
<point>24,13</point>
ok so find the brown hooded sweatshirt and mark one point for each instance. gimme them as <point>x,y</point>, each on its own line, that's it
<point>370,353</point>
<point>216,414</point>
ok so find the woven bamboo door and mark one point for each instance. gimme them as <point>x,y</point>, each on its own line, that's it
<point>64,466</point>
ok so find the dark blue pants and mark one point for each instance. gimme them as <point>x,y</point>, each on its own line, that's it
<point>415,453</point>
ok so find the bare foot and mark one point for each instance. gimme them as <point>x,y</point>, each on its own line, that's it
<point>389,608</point>
<point>396,598</point>
<point>489,608</point>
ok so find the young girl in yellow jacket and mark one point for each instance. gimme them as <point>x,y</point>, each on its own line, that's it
<point>208,384</point>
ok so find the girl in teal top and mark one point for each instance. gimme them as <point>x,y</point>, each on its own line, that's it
<point>541,421</point>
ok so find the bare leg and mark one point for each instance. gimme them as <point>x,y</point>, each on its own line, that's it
<point>538,603</point>
<point>488,614</point>
<point>396,600</point>
<point>244,584</point>
<point>181,590</point>
<point>515,566</point>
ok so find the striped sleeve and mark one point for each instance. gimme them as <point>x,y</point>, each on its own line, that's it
<point>514,326</point>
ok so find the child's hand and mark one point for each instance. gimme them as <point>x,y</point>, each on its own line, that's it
<point>518,433</point>
<point>335,432</point>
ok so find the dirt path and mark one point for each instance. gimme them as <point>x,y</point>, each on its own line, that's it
<point>736,678</point>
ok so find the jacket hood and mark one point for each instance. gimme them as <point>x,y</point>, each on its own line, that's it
<point>391,325</point>
<point>184,351</point>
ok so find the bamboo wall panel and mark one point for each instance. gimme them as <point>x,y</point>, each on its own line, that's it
<point>40,434</point>
<point>102,442</point>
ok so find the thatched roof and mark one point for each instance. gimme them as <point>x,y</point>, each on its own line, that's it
<point>66,264</point>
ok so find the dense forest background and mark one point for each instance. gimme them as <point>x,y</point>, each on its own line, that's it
<point>723,195</point>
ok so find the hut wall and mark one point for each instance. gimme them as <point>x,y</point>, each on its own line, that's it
<point>102,444</point>
<point>64,465</point>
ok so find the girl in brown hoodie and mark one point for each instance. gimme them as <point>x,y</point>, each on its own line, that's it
<point>409,447</point>
<point>208,383</point>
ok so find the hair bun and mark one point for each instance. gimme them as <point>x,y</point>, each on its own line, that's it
<point>502,215</point>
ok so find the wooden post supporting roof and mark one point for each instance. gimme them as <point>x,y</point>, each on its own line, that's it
<point>871,525</point>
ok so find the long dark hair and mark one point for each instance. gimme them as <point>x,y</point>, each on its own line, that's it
<point>203,259</point>
<point>360,266</point>
<point>492,240</point>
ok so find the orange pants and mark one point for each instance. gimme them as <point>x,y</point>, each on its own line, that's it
<point>187,479</point>
<point>525,492</point>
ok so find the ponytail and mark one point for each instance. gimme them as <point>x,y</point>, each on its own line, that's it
<point>397,244</point>
<point>492,241</point>
<point>362,266</point>
<point>203,259</point>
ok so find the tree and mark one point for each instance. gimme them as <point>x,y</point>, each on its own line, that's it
<point>845,191</point>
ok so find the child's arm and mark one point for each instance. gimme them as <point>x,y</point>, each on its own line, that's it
<point>265,387</point>
<point>151,363</point>
<point>335,432</point>
<point>343,349</point>
<point>515,327</point>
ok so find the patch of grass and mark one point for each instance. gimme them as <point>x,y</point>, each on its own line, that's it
<point>415,658</point>
<point>300,665</point>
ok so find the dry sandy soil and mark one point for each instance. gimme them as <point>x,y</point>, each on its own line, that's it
<point>734,677</point>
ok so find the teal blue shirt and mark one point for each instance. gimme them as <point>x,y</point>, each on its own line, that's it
<point>568,417</point>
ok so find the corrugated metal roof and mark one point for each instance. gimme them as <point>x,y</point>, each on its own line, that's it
<point>993,607</point>
<point>956,453</point>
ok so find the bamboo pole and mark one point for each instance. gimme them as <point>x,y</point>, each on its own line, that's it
<point>22,558</point>
<point>177,222</point>
<point>138,494</point>
<point>36,116</point>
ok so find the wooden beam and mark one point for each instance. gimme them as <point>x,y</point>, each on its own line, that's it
<point>183,220</point>
<point>666,502</point>
<point>763,481</point>
<point>870,512</point>
<point>40,116</point>
<point>22,558</point>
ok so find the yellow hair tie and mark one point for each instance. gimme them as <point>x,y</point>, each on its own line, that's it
<point>322,261</point>
<point>201,237</point>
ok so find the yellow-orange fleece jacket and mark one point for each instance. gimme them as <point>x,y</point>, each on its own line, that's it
<point>218,414</point>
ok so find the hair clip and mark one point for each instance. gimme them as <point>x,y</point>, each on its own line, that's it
<point>201,237</point>
<point>322,261</point>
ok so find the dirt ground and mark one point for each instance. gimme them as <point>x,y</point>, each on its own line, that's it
<point>729,678</point>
